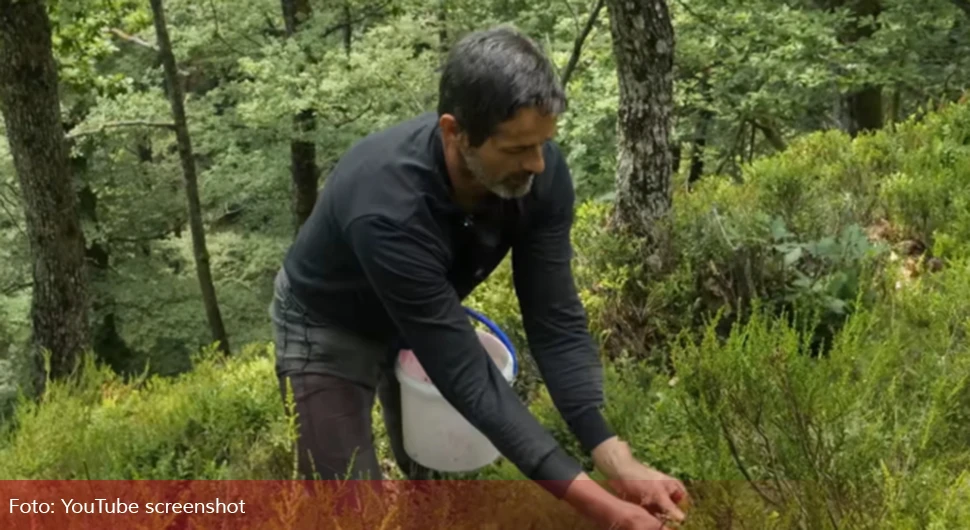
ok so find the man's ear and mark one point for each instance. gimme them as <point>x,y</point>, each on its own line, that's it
<point>450,129</point>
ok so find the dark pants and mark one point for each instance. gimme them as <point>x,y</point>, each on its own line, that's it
<point>335,377</point>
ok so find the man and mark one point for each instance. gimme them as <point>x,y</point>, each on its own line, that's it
<point>412,219</point>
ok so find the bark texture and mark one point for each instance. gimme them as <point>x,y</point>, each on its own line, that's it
<point>31,111</point>
<point>176,97</point>
<point>643,47</point>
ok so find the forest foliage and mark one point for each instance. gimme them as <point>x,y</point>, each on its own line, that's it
<point>799,355</point>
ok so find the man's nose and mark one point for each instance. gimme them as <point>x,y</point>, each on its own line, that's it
<point>534,162</point>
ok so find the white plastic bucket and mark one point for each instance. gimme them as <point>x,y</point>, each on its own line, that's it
<point>436,435</point>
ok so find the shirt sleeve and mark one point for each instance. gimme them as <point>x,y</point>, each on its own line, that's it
<point>405,265</point>
<point>554,319</point>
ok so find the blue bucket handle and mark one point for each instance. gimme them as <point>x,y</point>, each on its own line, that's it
<point>500,334</point>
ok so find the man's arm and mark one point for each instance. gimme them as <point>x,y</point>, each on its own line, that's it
<point>405,265</point>
<point>553,316</point>
<point>556,326</point>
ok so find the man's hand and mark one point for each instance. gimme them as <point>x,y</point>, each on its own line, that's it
<point>637,483</point>
<point>608,511</point>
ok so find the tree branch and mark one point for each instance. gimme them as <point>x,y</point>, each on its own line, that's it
<point>580,39</point>
<point>575,15</point>
<point>736,456</point>
<point>728,39</point>
<point>217,33</point>
<point>13,218</point>
<point>119,124</point>
<point>374,9</point>
<point>771,134</point>
<point>140,239</point>
<point>349,120</point>
<point>131,38</point>
<point>15,288</point>
<point>734,150</point>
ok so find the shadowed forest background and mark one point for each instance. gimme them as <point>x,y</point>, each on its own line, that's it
<point>772,239</point>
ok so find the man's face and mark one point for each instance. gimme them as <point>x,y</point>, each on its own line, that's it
<point>506,164</point>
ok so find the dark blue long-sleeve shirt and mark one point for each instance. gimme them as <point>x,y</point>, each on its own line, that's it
<point>386,252</point>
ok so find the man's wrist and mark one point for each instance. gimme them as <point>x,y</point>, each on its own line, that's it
<point>612,456</point>
<point>589,498</point>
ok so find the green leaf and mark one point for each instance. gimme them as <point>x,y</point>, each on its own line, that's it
<point>778,230</point>
<point>793,256</point>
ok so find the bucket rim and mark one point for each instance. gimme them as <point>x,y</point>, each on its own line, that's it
<point>429,389</point>
<point>497,331</point>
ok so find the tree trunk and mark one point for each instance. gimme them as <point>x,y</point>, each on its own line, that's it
<point>107,342</point>
<point>176,98</point>
<point>643,46</point>
<point>303,154</point>
<point>864,107</point>
<point>442,12</point>
<point>699,143</point>
<point>896,104</point>
<point>348,27</point>
<point>865,110</point>
<point>303,169</point>
<point>31,110</point>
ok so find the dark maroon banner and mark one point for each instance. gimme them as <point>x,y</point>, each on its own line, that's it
<point>283,505</point>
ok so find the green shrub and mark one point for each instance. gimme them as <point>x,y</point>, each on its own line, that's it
<point>870,436</point>
<point>851,440</point>
<point>928,193</point>
<point>15,371</point>
<point>916,176</point>
<point>220,420</point>
<point>873,435</point>
<point>811,226</point>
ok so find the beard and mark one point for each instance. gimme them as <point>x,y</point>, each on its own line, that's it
<point>511,186</point>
